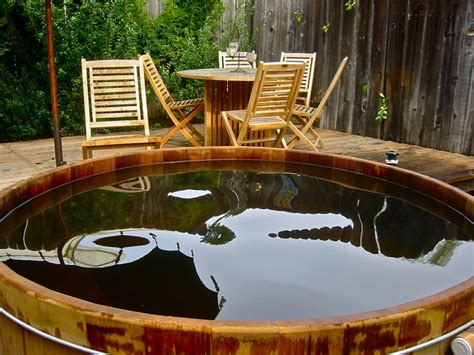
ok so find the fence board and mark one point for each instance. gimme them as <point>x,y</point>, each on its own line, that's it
<point>461,82</point>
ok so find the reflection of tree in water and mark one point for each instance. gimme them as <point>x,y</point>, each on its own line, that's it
<point>442,252</point>
<point>400,231</point>
<point>218,234</point>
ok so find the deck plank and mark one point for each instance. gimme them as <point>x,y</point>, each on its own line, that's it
<point>20,160</point>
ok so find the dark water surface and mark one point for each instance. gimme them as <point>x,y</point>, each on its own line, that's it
<point>231,244</point>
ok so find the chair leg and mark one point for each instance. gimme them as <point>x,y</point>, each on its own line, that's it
<point>181,127</point>
<point>229,129</point>
<point>299,135</point>
<point>317,138</point>
<point>191,128</point>
<point>280,133</point>
<point>306,123</point>
<point>86,153</point>
<point>318,141</point>
<point>283,141</point>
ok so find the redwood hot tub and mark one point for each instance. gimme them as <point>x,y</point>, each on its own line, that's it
<point>233,250</point>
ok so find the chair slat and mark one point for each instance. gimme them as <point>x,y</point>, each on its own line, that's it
<point>121,96</point>
<point>112,115</point>
<point>117,101</point>
<point>117,108</point>
<point>108,90</point>
<point>113,84</point>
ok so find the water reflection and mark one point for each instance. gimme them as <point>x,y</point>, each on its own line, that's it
<point>129,271</point>
<point>257,242</point>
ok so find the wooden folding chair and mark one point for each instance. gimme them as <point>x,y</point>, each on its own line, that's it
<point>114,99</point>
<point>307,116</point>
<point>309,59</point>
<point>240,60</point>
<point>174,109</point>
<point>270,105</point>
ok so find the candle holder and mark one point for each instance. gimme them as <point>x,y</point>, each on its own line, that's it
<point>251,58</point>
<point>232,51</point>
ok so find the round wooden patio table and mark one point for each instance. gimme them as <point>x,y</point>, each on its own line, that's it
<point>224,89</point>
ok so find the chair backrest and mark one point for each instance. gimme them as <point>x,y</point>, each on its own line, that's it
<point>114,95</point>
<point>157,83</point>
<point>240,60</point>
<point>310,60</point>
<point>274,91</point>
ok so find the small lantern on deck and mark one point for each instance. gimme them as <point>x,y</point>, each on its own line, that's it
<point>391,157</point>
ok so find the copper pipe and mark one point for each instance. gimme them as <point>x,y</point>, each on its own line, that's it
<point>58,151</point>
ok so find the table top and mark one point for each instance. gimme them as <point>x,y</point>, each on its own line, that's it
<point>219,74</point>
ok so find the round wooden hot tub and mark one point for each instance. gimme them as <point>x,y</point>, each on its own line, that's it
<point>31,312</point>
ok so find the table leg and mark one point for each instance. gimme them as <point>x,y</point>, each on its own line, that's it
<point>222,96</point>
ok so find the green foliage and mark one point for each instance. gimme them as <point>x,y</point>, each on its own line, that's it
<point>298,16</point>
<point>197,180</point>
<point>325,28</point>
<point>237,29</point>
<point>24,89</point>
<point>382,113</point>
<point>183,44</point>
<point>217,234</point>
<point>97,210</point>
<point>350,4</point>
<point>183,37</point>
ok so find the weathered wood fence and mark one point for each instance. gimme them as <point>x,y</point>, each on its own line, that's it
<point>418,53</point>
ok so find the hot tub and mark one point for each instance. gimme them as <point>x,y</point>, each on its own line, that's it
<point>210,227</point>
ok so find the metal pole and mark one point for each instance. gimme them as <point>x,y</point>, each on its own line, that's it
<point>58,151</point>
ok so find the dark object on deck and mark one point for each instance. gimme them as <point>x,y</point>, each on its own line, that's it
<point>391,157</point>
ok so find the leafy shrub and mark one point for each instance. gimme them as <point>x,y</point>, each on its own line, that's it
<point>183,37</point>
<point>179,47</point>
<point>24,88</point>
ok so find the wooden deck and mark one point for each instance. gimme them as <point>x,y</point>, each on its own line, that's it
<point>21,160</point>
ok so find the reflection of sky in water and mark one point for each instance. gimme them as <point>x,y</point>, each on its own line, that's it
<point>258,220</point>
<point>189,194</point>
<point>261,277</point>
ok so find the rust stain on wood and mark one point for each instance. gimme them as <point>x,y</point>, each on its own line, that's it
<point>264,346</point>
<point>370,339</point>
<point>322,346</point>
<point>80,325</point>
<point>412,330</point>
<point>166,341</point>
<point>457,312</point>
<point>97,335</point>
<point>225,345</point>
